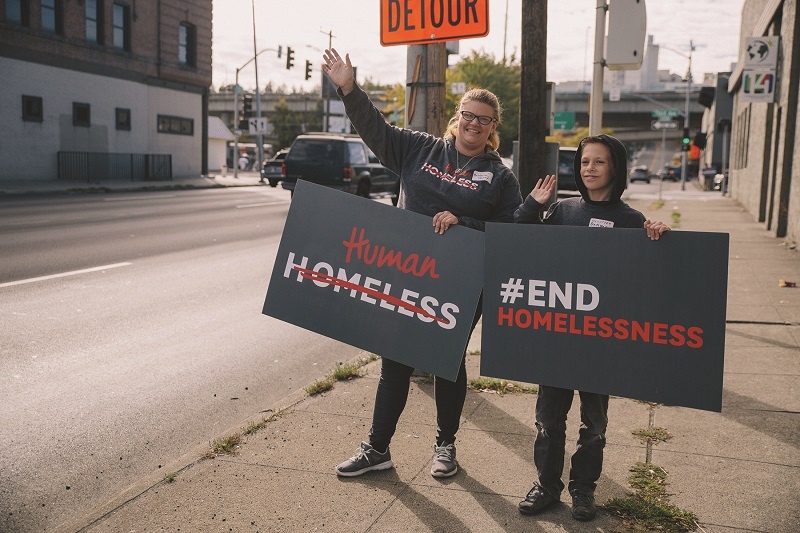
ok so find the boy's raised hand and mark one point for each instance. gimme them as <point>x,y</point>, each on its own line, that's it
<point>655,229</point>
<point>544,189</point>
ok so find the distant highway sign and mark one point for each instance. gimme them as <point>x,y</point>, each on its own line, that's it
<point>664,125</point>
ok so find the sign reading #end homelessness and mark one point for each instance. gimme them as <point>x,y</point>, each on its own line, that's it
<point>607,311</point>
<point>378,278</point>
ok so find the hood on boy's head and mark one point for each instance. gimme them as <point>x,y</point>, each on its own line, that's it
<point>619,163</point>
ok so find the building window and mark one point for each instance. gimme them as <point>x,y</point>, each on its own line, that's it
<point>94,21</point>
<point>187,45</point>
<point>81,114</point>
<point>18,12</point>
<point>32,110</point>
<point>175,125</point>
<point>122,27</point>
<point>123,119</point>
<point>52,17</point>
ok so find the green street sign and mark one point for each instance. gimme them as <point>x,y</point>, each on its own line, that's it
<point>666,114</point>
<point>564,120</point>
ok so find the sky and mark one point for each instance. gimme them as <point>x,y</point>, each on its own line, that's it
<point>307,25</point>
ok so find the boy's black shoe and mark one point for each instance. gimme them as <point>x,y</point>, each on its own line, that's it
<point>367,458</point>
<point>583,506</point>
<point>537,500</point>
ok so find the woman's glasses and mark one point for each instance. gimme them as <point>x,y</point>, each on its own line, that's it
<point>483,120</point>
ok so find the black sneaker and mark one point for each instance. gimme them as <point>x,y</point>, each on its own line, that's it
<point>583,506</point>
<point>367,458</point>
<point>444,461</point>
<point>537,500</point>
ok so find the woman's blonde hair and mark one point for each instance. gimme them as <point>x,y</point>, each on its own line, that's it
<point>485,97</point>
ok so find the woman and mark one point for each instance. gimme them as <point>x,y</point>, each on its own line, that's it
<point>458,179</point>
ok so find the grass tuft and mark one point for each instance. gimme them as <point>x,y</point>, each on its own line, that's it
<point>676,218</point>
<point>226,445</point>
<point>500,386</point>
<point>658,204</point>
<point>654,435</point>
<point>169,478</point>
<point>649,507</point>
<point>319,386</point>
<point>341,372</point>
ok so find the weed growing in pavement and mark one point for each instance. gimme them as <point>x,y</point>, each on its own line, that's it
<point>225,445</point>
<point>319,386</point>
<point>169,478</point>
<point>676,218</point>
<point>474,352</point>
<point>252,427</point>
<point>500,386</point>
<point>658,204</point>
<point>649,506</point>
<point>653,435</point>
<point>341,372</point>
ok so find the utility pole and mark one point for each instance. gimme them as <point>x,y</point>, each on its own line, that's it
<point>684,153</point>
<point>260,144</point>
<point>533,87</point>
<point>596,99</point>
<point>425,94</point>
<point>327,125</point>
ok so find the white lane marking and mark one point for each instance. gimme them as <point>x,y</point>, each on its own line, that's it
<point>134,198</point>
<point>262,204</point>
<point>62,275</point>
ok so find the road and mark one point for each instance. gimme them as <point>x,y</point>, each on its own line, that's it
<point>132,334</point>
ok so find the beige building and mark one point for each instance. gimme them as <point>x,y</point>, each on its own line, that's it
<point>765,122</point>
<point>104,89</point>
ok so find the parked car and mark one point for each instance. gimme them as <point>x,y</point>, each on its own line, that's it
<point>566,170</point>
<point>340,161</point>
<point>639,173</point>
<point>272,171</point>
<point>669,173</point>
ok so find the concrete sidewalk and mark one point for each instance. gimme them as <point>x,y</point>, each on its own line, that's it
<point>738,470</point>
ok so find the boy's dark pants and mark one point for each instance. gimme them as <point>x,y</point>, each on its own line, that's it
<point>552,406</point>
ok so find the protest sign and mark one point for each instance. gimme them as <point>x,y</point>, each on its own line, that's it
<point>607,311</point>
<point>378,278</point>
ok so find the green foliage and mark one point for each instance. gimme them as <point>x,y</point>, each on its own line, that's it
<point>482,70</point>
<point>289,124</point>
<point>649,507</point>
<point>225,445</point>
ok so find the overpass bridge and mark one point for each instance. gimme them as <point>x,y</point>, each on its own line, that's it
<point>631,116</point>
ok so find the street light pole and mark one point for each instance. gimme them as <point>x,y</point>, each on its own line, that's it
<point>236,90</point>
<point>258,97</point>
<point>684,153</point>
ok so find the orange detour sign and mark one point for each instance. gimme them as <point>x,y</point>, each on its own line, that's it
<point>427,21</point>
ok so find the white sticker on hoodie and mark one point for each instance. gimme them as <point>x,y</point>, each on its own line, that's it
<point>600,223</point>
<point>482,176</point>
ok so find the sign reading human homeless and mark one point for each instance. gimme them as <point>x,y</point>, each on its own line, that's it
<point>378,278</point>
<point>609,312</point>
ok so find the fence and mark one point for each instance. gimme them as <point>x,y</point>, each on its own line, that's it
<point>99,166</point>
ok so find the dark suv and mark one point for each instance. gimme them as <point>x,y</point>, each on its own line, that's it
<point>340,161</point>
<point>566,169</point>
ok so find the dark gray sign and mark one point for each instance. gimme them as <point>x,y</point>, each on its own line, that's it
<point>378,278</point>
<point>607,311</point>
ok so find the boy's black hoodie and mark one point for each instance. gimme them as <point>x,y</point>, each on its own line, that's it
<point>583,211</point>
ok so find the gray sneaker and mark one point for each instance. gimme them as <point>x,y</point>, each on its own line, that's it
<point>366,458</point>
<point>444,461</point>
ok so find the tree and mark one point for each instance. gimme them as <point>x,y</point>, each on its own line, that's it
<point>285,124</point>
<point>502,78</point>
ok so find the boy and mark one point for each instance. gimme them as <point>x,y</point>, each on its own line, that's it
<point>601,177</point>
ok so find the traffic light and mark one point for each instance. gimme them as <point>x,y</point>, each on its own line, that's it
<point>308,69</point>
<point>685,140</point>
<point>289,57</point>
<point>247,105</point>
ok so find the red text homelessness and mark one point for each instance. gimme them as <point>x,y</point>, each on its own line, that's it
<point>604,327</point>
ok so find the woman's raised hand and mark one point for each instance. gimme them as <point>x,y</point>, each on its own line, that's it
<point>339,70</point>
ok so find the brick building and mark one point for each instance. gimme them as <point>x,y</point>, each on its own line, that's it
<point>104,89</point>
